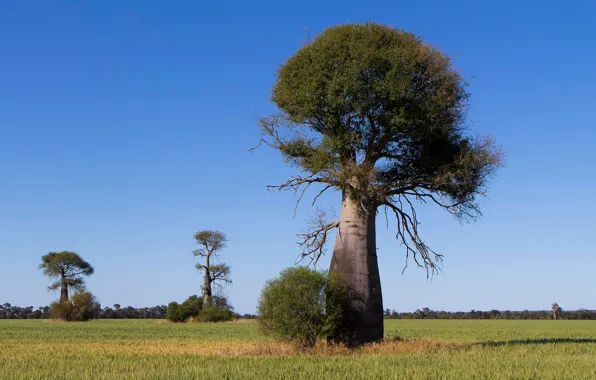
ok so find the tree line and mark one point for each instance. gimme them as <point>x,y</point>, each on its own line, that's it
<point>426,313</point>
<point>8,311</point>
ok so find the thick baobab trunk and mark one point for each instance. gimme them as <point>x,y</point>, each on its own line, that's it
<point>64,292</point>
<point>207,298</point>
<point>355,259</point>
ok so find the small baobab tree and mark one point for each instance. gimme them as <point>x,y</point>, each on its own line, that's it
<point>68,268</point>
<point>211,244</point>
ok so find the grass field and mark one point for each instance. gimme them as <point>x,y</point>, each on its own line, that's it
<point>426,349</point>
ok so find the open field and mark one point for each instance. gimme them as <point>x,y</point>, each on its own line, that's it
<point>467,349</point>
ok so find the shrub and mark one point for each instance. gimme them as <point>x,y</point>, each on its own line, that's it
<point>191,307</point>
<point>338,301</point>
<point>172,312</point>
<point>302,305</point>
<point>180,313</point>
<point>82,306</point>
<point>215,314</point>
<point>61,310</point>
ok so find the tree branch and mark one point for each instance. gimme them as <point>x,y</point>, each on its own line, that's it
<point>298,185</point>
<point>313,240</point>
<point>407,234</point>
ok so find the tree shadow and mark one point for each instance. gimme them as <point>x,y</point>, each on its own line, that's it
<point>493,343</point>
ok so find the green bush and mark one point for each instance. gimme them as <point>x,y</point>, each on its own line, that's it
<point>338,301</point>
<point>302,305</point>
<point>215,314</point>
<point>182,312</point>
<point>191,307</point>
<point>61,310</point>
<point>82,306</point>
<point>172,313</point>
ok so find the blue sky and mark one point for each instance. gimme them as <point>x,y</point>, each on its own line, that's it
<point>125,128</point>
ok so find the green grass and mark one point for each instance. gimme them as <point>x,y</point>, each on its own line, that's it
<point>112,349</point>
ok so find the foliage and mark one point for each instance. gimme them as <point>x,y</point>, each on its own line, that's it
<point>210,242</point>
<point>182,312</point>
<point>191,307</point>
<point>172,314</point>
<point>302,305</point>
<point>379,115</point>
<point>338,300</point>
<point>82,306</point>
<point>129,312</point>
<point>215,314</point>
<point>292,306</point>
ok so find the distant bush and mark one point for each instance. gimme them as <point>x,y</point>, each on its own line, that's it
<point>82,306</point>
<point>191,307</point>
<point>172,313</point>
<point>215,314</point>
<point>302,305</point>
<point>182,312</point>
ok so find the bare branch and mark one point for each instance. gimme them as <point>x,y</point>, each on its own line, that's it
<point>298,185</point>
<point>407,234</point>
<point>321,193</point>
<point>261,141</point>
<point>313,240</point>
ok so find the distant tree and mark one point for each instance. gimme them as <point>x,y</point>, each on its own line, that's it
<point>67,268</point>
<point>556,310</point>
<point>495,314</point>
<point>378,115</point>
<point>211,242</point>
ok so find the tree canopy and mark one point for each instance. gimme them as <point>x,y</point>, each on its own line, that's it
<point>68,268</point>
<point>376,112</point>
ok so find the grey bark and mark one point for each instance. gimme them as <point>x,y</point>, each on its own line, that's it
<point>355,259</point>
<point>207,296</point>
<point>64,292</point>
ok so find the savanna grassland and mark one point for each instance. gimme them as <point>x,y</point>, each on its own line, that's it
<point>414,349</point>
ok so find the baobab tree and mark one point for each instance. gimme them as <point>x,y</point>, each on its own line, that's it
<point>556,310</point>
<point>211,242</point>
<point>378,115</point>
<point>68,268</point>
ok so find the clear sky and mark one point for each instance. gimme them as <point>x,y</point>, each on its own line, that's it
<point>125,128</point>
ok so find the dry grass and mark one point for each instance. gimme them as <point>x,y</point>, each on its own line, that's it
<point>235,348</point>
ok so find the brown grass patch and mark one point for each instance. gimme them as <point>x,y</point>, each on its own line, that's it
<point>228,348</point>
